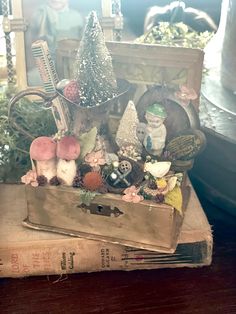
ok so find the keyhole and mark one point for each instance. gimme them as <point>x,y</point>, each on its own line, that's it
<point>99,208</point>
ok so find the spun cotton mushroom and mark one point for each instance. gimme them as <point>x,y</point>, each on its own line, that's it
<point>43,151</point>
<point>68,150</point>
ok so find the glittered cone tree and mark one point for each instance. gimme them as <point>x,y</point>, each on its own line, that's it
<point>95,75</point>
<point>127,131</point>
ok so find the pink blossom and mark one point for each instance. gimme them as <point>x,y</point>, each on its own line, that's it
<point>186,94</point>
<point>131,195</point>
<point>95,159</point>
<point>30,178</point>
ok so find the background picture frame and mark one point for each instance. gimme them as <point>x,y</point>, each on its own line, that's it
<point>32,15</point>
<point>138,63</point>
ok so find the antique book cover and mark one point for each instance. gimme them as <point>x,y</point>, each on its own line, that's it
<point>27,252</point>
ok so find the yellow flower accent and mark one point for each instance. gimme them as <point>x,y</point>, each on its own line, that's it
<point>161,183</point>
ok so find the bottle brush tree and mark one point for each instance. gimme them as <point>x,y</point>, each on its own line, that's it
<point>95,75</point>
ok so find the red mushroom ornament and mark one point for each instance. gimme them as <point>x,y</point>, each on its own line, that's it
<point>43,151</point>
<point>68,150</point>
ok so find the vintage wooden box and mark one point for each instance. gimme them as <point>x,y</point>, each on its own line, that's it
<point>145,225</point>
<point>108,218</point>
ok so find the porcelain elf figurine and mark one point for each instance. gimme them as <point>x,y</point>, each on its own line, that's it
<point>155,133</point>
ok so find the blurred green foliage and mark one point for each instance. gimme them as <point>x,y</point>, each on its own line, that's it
<point>177,35</point>
<point>14,146</point>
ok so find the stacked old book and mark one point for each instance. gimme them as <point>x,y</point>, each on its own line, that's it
<point>26,252</point>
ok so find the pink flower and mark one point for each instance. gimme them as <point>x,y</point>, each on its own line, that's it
<point>30,178</point>
<point>186,94</point>
<point>131,195</point>
<point>95,159</point>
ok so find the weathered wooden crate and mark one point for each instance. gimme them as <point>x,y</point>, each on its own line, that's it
<point>145,225</point>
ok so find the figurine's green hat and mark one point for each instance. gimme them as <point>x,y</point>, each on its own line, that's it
<point>157,110</point>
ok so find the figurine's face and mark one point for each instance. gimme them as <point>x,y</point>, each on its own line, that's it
<point>57,5</point>
<point>154,121</point>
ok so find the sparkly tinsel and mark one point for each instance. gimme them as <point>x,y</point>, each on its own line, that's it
<point>95,72</point>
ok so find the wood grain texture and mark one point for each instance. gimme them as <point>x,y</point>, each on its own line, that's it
<point>208,290</point>
<point>59,208</point>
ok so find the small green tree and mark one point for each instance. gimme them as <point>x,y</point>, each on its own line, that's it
<point>95,75</point>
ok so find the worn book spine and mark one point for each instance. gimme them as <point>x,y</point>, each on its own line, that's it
<point>74,255</point>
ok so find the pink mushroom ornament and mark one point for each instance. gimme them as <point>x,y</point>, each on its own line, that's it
<point>43,152</point>
<point>68,150</point>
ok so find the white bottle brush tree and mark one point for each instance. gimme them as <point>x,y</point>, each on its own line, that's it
<point>95,75</point>
<point>127,131</point>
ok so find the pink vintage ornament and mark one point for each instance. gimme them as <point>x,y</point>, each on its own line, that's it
<point>186,94</point>
<point>71,91</point>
